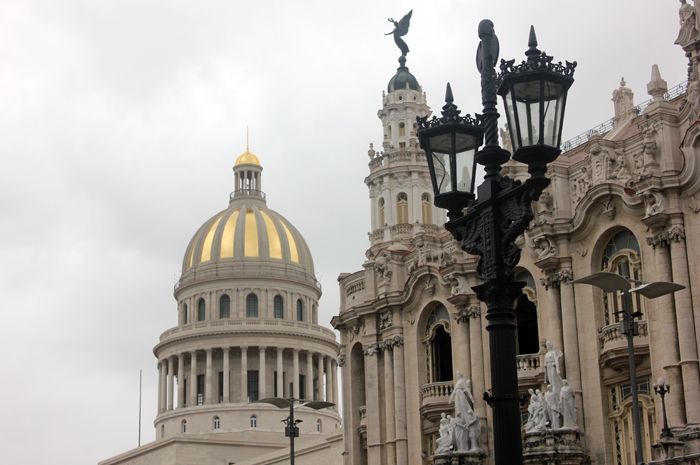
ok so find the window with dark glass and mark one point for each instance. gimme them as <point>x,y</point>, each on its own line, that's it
<point>275,383</point>
<point>252,385</point>
<point>300,311</point>
<point>201,310</point>
<point>302,385</point>
<point>251,306</point>
<point>184,314</point>
<point>200,389</point>
<point>279,307</point>
<point>221,386</point>
<point>224,307</point>
<point>217,423</point>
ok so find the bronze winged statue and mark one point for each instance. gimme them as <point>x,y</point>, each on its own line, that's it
<point>401,29</point>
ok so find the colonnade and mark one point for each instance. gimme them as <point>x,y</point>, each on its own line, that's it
<point>326,389</point>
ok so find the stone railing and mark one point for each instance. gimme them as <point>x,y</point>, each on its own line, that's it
<point>529,363</point>
<point>239,324</point>
<point>375,163</point>
<point>431,229</point>
<point>433,391</point>
<point>402,229</point>
<point>609,335</point>
<point>356,286</point>
<point>377,236</point>
<point>400,157</point>
<point>382,160</point>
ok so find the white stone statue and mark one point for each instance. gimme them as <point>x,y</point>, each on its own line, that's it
<point>530,425</point>
<point>445,441</point>
<point>474,427</point>
<point>551,364</point>
<point>537,420</point>
<point>461,434</point>
<point>552,408</point>
<point>568,406</point>
<point>687,21</point>
<point>462,394</point>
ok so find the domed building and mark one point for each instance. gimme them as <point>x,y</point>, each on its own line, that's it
<point>247,328</point>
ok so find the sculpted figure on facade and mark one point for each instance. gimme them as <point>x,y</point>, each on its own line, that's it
<point>552,407</point>
<point>458,283</point>
<point>568,406</point>
<point>461,395</point>
<point>461,433</point>
<point>545,206</point>
<point>381,266</point>
<point>688,24</point>
<point>445,441</point>
<point>551,363</point>
<point>544,247</point>
<point>537,419</point>
<point>654,202</point>
<point>474,426</point>
<point>694,96</point>
<point>385,320</point>
<point>621,172</point>
<point>650,149</point>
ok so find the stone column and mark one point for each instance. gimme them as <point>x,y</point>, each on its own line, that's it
<point>400,402</point>
<point>295,370</point>
<point>262,382</point>
<point>675,407</point>
<point>390,403</point>
<point>329,381</point>
<point>334,371</point>
<point>686,325</point>
<point>208,378</point>
<point>570,328</point>
<point>227,375</point>
<point>180,380</point>
<point>244,374</point>
<point>193,378</point>
<point>161,370</point>
<point>280,368</point>
<point>171,381</point>
<point>309,375</point>
<point>462,362</point>
<point>554,331</point>
<point>476,348</point>
<point>320,377</point>
<point>374,437</point>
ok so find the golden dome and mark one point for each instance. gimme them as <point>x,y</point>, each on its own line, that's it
<point>247,158</point>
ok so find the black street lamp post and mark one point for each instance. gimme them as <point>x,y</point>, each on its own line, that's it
<point>291,430</point>
<point>663,387</point>
<point>534,94</point>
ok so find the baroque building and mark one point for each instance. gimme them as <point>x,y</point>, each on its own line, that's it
<point>626,192</point>
<point>247,328</point>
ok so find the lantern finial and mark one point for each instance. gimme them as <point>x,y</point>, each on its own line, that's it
<point>532,52</point>
<point>448,94</point>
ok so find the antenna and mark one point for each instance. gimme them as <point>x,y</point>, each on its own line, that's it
<point>140,384</point>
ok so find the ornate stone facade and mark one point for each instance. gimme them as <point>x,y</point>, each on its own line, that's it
<point>630,193</point>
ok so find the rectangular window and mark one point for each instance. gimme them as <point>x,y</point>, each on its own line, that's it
<point>402,145</point>
<point>184,390</point>
<point>315,388</point>
<point>291,389</point>
<point>221,386</point>
<point>275,383</point>
<point>252,385</point>
<point>302,394</point>
<point>200,389</point>
<point>284,382</point>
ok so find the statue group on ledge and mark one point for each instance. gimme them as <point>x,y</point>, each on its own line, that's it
<point>461,433</point>
<point>556,407</point>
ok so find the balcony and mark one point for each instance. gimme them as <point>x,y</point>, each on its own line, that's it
<point>613,345</point>
<point>530,369</point>
<point>435,399</point>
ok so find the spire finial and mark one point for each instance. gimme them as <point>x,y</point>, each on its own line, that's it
<point>448,94</point>
<point>532,51</point>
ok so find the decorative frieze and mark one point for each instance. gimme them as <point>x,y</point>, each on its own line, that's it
<point>556,279</point>
<point>664,238</point>
<point>464,313</point>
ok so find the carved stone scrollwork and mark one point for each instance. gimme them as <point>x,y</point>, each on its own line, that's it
<point>372,349</point>
<point>556,279</point>
<point>392,342</point>
<point>544,247</point>
<point>341,360</point>
<point>386,319</point>
<point>654,202</point>
<point>664,238</point>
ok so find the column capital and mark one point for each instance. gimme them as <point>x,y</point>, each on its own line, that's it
<point>464,313</point>
<point>296,350</point>
<point>556,279</point>
<point>262,348</point>
<point>209,350</point>
<point>664,238</point>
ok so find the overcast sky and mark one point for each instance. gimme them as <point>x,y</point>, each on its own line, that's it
<point>120,122</point>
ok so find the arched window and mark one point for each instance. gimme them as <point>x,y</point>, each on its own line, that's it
<point>279,306</point>
<point>318,426</point>
<point>217,423</point>
<point>253,421</point>
<point>184,314</point>
<point>622,248</point>
<point>438,345</point>
<point>402,130</point>
<point>300,311</point>
<point>184,426</point>
<point>527,339</point>
<point>425,204</point>
<point>382,218</point>
<point>251,306</point>
<point>201,310</point>
<point>224,307</point>
<point>402,208</point>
